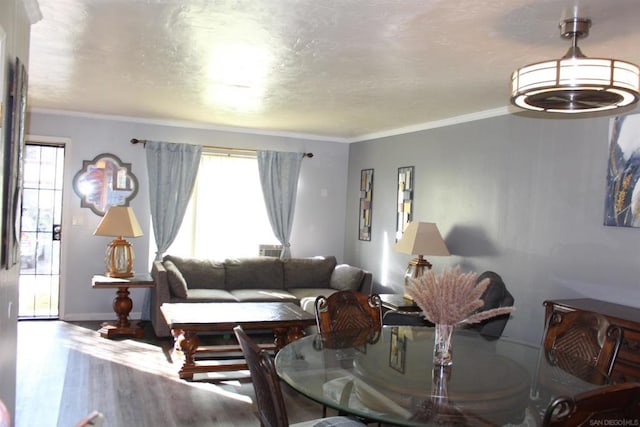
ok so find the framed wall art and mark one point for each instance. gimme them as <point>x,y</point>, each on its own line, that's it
<point>103,182</point>
<point>397,349</point>
<point>366,198</point>
<point>405,200</point>
<point>13,166</point>
<point>622,203</point>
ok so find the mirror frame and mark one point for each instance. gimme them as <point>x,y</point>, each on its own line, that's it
<point>117,188</point>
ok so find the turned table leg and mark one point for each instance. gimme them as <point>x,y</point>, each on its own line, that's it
<point>284,336</point>
<point>188,342</point>
<point>122,305</point>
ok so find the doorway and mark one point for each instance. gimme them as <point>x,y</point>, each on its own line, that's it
<point>39,284</point>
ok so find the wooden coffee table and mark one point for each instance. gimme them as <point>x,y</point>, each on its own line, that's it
<point>186,320</point>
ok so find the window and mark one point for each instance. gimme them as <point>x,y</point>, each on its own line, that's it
<point>226,216</point>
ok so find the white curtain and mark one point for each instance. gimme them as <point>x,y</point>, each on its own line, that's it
<point>279,179</point>
<point>226,217</point>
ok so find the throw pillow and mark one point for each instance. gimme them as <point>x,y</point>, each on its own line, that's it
<point>177,284</point>
<point>200,273</point>
<point>346,277</point>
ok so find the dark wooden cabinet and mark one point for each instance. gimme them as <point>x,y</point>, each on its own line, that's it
<point>627,364</point>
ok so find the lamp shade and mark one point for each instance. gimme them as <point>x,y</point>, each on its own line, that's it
<point>119,221</point>
<point>422,238</point>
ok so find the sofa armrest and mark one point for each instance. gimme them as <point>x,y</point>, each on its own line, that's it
<point>159,295</point>
<point>366,287</point>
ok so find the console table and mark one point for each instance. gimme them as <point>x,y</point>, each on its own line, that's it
<point>627,365</point>
<point>122,304</point>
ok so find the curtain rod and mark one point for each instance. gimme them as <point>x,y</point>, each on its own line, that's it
<point>244,150</point>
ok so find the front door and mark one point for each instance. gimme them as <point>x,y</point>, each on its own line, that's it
<point>41,221</point>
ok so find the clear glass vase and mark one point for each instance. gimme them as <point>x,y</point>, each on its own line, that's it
<point>442,352</point>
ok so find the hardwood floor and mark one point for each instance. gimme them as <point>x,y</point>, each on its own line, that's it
<point>66,370</point>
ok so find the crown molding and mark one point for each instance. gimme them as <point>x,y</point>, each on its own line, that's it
<point>502,111</point>
<point>187,124</point>
<point>313,137</point>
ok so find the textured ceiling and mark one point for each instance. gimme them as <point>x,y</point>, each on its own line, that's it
<point>340,69</point>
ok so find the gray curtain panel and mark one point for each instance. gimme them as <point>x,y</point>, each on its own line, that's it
<point>279,178</point>
<point>171,170</point>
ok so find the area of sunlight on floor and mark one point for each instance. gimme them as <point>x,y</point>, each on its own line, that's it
<point>144,357</point>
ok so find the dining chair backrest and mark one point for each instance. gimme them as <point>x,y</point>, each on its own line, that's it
<point>348,310</point>
<point>601,406</point>
<point>266,385</point>
<point>582,335</point>
<point>269,400</point>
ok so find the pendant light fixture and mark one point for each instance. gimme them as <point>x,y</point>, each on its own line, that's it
<point>575,83</point>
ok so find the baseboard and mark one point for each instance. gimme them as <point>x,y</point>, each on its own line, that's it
<point>79,317</point>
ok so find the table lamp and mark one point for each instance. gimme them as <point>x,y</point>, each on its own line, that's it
<point>420,238</point>
<point>119,221</point>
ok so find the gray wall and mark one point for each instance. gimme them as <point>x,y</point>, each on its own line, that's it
<point>15,26</point>
<point>520,196</point>
<point>319,218</point>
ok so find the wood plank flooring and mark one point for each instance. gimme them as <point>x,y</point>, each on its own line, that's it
<point>66,370</point>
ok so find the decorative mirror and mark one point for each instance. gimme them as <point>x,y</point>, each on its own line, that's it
<point>105,181</point>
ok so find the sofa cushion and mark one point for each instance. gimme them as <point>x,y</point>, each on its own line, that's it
<point>206,295</point>
<point>263,295</point>
<point>308,272</point>
<point>346,278</point>
<point>200,273</point>
<point>253,273</point>
<point>177,284</point>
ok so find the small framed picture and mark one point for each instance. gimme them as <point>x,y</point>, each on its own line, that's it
<point>404,214</point>
<point>366,198</point>
<point>397,349</point>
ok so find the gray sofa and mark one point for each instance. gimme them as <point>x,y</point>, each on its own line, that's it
<point>259,279</point>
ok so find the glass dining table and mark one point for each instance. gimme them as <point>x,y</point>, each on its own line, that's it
<point>389,376</point>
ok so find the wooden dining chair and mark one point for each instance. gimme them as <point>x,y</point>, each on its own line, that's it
<point>348,310</point>
<point>577,348</point>
<point>266,385</point>
<point>585,336</point>
<point>619,402</point>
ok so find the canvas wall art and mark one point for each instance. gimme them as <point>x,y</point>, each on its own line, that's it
<point>622,204</point>
<point>405,200</point>
<point>366,198</point>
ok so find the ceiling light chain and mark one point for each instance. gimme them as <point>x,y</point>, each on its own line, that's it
<point>575,83</point>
